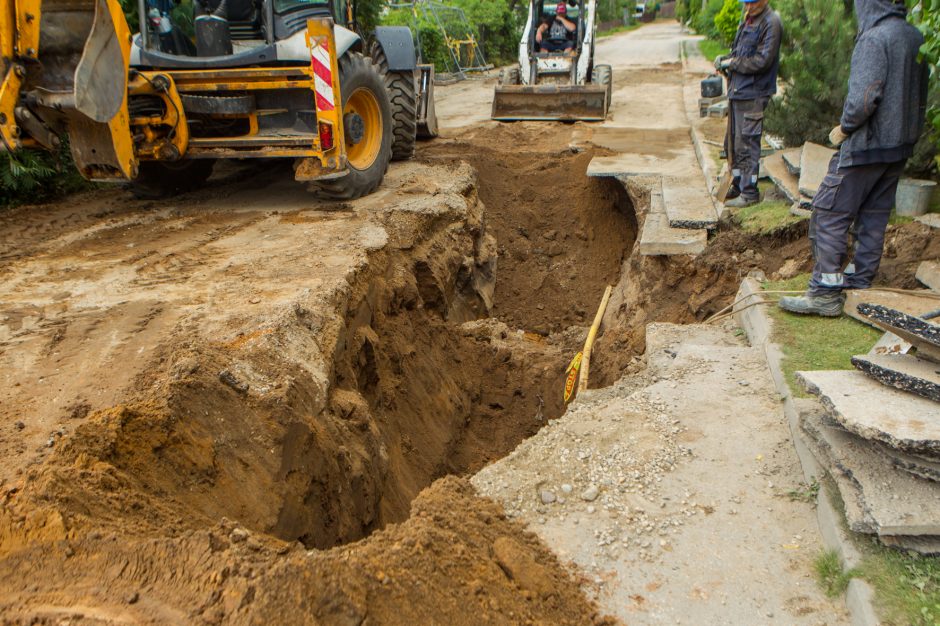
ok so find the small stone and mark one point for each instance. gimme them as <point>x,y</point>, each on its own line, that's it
<point>590,494</point>
<point>238,535</point>
<point>133,597</point>
<point>567,489</point>
<point>591,509</point>
<point>19,425</point>
<point>547,496</point>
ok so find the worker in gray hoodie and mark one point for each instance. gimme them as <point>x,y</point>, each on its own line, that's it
<point>882,119</point>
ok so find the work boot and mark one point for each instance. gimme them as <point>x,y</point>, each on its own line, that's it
<point>741,202</point>
<point>733,192</point>
<point>826,305</point>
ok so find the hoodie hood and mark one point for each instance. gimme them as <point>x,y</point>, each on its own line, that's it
<point>870,12</point>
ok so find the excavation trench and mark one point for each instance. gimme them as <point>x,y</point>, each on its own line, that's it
<point>439,353</point>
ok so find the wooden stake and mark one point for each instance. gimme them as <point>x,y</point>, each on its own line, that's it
<point>589,344</point>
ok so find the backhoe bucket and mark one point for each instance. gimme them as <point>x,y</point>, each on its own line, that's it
<point>550,102</point>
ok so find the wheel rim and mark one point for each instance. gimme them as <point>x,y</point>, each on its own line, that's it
<point>363,102</point>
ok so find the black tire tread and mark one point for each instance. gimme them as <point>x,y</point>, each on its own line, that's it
<point>358,183</point>
<point>403,95</point>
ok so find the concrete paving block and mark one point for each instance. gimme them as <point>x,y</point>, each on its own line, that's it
<point>924,335</point>
<point>889,502</point>
<point>791,159</point>
<point>913,303</point>
<point>787,183</point>
<point>660,239</point>
<point>904,372</point>
<point>874,411</point>
<point>687,206</point>
<point>814,164</point>
<point>928,273</point>
<point>931,219</point>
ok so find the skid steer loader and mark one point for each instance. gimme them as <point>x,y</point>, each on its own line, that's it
<point>285,79</point>
<point>555,85</point>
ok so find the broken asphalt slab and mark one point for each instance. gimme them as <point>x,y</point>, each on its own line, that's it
<point>919,466</point>
<point>787,183</point>
<point>912,303</point>
<point>658,238</point>
<point>814,164</point>
<point>874,411</point>
<point>904,372</point>
<point>879,499</point>
<point>925,336</point>
<point>791,159</point>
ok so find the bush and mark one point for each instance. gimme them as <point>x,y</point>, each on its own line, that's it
<point>29,176</point>
<point>816,54</point>
<point>704,23</point>
<point>727,21</point>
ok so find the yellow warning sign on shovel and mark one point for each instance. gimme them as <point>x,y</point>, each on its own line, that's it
<point>573,371</point>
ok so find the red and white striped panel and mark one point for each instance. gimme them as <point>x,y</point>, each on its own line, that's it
<point>322,76</point>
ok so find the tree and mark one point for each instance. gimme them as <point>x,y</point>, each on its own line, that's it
<point>816,54</point>
<point>727,21</point>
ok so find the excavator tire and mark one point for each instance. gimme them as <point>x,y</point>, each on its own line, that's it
<point>158,179</point>
<point>603,75</point>
<point>403,94</point>
<point>364,95</point>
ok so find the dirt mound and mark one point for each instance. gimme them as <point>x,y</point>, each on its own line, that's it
<point>457,560</point>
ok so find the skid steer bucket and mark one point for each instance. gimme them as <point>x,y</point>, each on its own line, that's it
<point>550,102</point>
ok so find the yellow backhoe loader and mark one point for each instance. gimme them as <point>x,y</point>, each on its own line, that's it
<point>204,80</point>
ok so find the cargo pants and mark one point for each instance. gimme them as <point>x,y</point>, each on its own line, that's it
<point>746,127</point>
<point>858,198</point>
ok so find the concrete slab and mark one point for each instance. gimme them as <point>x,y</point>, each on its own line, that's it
<point>928,273</point>
<point>787,183</point>
<point>639,164</point>
<point>814,163</point>
<point>891,344</point>
<point>923,545</point>
<point>924,335</point>
<point>931,219</point>
<point>874,411</point>
<point>912,303</point>
<point>659,239</point>
<point>879,499</point>
<point>916,465</point>
<point>689,207</point>
<point>791,159</point>
<point>904,372</point>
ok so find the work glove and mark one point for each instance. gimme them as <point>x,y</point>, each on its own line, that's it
<point>837,137</point>
<point>726,64</point>
<point>719,61</point>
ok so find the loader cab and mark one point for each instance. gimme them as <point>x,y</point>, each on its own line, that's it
<point>545,12</point>
<point>211,34</point>
<point>561,67</point>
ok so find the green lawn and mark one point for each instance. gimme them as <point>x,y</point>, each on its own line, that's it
<point>619,29</point>
<point>816,343</point>
<point>711,49</point>
<point>766,217</point>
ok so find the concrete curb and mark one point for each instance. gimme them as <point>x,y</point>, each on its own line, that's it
<point>757,324</point>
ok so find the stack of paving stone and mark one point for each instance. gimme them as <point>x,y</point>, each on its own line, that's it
<point>798,173</point>
<point>878,432</point>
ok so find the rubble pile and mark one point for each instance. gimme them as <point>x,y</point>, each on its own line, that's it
<point>878,431</point>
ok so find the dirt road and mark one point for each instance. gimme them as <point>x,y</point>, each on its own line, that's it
<point>232,407</point>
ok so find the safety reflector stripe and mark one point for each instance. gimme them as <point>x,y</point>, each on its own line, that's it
<point>832,280</point>
<point>322,77</point>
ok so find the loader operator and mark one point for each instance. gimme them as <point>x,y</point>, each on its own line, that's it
<point>882,119</point>
<point>556,35</point>
<point>751,68</point>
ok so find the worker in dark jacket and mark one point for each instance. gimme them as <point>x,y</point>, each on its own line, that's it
<point>752,79</point>
<point>882,119</point>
